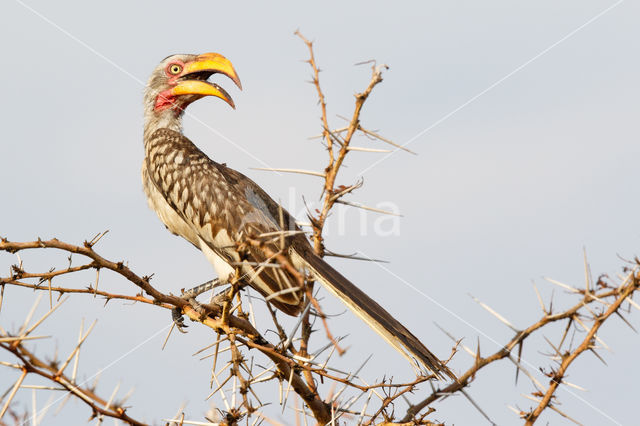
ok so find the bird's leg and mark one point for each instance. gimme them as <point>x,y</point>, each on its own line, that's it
<point>190,296</point>
<point>235,286</point>
<point>202,288</point>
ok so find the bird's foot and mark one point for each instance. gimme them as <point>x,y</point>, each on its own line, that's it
<point>178,319</point>
<point>190,296</point>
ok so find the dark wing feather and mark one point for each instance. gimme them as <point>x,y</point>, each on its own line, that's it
<point>375,316</point>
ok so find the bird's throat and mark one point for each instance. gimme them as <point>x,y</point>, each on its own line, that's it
<point>167,118</point>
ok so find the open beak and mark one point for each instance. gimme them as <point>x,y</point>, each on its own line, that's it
<point>193,80</point>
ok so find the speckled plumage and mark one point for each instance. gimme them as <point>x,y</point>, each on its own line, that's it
<point>215,208</point>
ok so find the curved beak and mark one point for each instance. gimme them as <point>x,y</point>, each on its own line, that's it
<point>195,73</point>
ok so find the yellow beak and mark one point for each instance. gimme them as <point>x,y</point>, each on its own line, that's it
<point>206,63</point>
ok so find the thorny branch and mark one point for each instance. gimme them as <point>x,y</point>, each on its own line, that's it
<point>233,326</point>
<point>337,146</point>
<point>293,366</point>
<point>619,294</point>
<point>288,365</point>
<point>29,363</point>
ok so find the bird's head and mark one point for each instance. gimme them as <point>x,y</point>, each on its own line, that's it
<point>181,79</point>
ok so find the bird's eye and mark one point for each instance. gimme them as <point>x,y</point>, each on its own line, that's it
<point>175,69</point>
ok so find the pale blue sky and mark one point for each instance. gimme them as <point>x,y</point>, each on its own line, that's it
<point>506,189</point>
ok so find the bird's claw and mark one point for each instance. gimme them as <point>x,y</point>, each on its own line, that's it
<point>178,319</point>
<point>201,310</point>
<point>189,296</point>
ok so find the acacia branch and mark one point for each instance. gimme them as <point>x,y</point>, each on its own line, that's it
<point>210,314</point>
<point>331,194</point>
<point>587,344</point>
<point>620,294</point>
<point>32,364</point>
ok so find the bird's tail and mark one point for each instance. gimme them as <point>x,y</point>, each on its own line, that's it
<point>375,316</point>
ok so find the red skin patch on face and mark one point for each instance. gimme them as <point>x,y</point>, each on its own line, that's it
<point>164,100</point>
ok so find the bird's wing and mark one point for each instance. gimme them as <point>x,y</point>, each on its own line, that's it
<point>222,207</point>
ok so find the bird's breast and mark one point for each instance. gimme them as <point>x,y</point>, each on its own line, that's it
<point>171,219</point>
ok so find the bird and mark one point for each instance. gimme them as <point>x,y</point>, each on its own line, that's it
<point>216,208</point>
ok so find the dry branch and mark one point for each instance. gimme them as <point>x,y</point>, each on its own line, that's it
<point>291,365</point>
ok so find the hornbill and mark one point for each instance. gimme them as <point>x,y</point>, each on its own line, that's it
<point>217,208</point>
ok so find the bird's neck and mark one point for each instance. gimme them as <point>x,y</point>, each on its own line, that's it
<point>170,118</point>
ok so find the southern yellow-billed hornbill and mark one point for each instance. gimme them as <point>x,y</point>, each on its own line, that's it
<point>216,208</point>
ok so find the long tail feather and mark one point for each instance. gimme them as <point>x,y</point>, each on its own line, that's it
<point>375,316</point>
